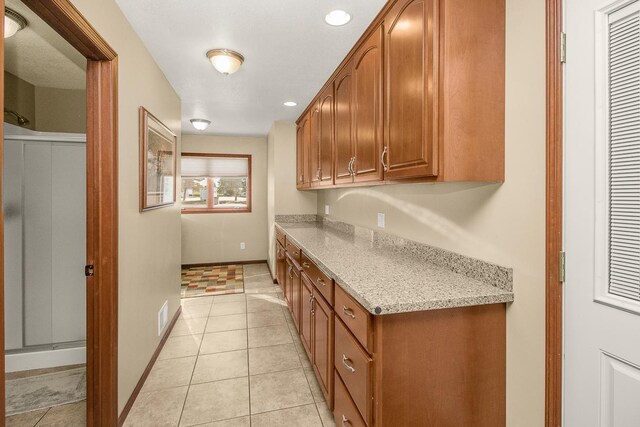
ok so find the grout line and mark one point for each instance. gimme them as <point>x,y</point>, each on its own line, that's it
<point>43,415</point>
<point>192,371</point>
<point>246,304</point>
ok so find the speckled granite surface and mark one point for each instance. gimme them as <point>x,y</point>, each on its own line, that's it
<point>297,218</point>
<point>387,278</point>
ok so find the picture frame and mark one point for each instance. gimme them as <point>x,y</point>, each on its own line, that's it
<point>157,163</point>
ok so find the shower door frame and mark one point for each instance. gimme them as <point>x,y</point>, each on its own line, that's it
<point>102,208</point>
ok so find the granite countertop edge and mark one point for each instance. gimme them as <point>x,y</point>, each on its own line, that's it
<point>380,308</point>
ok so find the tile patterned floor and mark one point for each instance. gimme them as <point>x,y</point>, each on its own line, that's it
<point>212,280</point>
<point>233,361</point>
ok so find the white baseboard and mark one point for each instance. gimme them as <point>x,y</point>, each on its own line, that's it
<point>45,359</point>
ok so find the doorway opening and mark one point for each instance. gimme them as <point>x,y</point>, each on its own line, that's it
<point>59,268</point>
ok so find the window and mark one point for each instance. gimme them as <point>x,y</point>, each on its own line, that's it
<point>216,183</point>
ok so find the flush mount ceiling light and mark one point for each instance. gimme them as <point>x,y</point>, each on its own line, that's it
<point>337,18</point>
<point>225,61</point>
<point>13,22</point>
<point>290,104</point>
<point>200,124</point>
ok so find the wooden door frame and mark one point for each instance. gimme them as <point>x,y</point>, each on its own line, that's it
<point>102,208</point>
<point>554,244</point>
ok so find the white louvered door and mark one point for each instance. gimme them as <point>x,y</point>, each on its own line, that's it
<point>602,214</point>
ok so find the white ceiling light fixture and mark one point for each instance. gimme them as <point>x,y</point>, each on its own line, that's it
<point>290,104</point>
<point>337,18</point>
<point>200,124</point>
<point>13,22</point>
<point>225,61</point>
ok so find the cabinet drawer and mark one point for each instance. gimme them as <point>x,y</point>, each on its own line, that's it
<point>323,284</point>
<point>354,366</point>
<point>293,251</point>
<point>355,317</point>
<point>345,412</point>
<point>280,236</point>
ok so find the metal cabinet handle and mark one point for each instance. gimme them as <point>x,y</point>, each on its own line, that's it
<point>290,269</point>
<point>345,421</point>
<point>350,166</point>
<point>321,282</point>
<point>306,265</point>
<point>353,166</point>
<point>347,363</point>
<point>318,173</point>
<point>384,153</point>
<point>301,179</point>
<point>312,304</point>
<point>348,312</point>
<point>297,254</point>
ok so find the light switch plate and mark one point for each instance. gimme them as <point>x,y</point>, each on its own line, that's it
<point>380,220</point>
<point>327,209</point>
<point>242,246</point>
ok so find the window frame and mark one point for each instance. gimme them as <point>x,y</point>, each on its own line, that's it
<point>219,210</point>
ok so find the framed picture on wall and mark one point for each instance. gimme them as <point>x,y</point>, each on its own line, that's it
<point>157,163</point>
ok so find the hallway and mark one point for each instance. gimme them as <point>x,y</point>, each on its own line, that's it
<point>233,360</point>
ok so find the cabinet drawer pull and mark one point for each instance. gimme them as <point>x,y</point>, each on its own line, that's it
<point>384,153</point>
<point>296,254</point>
<point>290,269</point>
<point>306,265</point>
<point>348,312</point>
<point>321,282</point>
<point>347,363</point>
<point>345,421</point>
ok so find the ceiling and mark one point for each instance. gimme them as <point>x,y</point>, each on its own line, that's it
<point>38,55</point>
<point>289,54</point>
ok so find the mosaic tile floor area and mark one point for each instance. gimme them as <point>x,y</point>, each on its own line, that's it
<point>233,361</point>
<point>212,280</point>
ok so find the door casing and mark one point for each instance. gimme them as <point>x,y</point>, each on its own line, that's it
<point>554,244</point>
<point>102,208</point>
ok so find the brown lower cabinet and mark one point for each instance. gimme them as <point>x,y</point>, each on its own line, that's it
<point>443,367</point>
<point>292,289</point>
<point>281,265</point>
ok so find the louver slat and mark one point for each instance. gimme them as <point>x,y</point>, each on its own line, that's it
<point>624,158</point>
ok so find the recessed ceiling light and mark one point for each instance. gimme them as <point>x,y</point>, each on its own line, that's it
<point>290,104</point>
<point>200,124</point>
<point>226,61</point>
<point>13,22</point>
<point>337,18</point>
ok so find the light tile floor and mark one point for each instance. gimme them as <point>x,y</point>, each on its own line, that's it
<point>233,361</point>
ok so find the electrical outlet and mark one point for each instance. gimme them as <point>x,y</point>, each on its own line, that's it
<point>380,220</point>
<point>327,210</point>
<point>163,317</point>
<point>242,246</point>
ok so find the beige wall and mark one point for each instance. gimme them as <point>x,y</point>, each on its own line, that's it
<point>48,109</point>
<point>149,243</point>
<point>19,96</point>
<point>61,110</point>
<point>216,237</point>
<point>284,199</point>
<point>504,224</point>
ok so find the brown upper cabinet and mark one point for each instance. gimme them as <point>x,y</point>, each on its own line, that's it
<point>303,138</point>
<point>419,98</point>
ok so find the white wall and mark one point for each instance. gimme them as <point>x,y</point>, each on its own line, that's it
<point>216,237</point>
<point>149,243</point>
<point>504,223</point>
<point>284,199</point>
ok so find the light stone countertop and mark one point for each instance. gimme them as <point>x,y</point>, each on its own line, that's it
<point>384,281</point>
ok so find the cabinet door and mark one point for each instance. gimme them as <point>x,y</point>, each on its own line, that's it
<point>323,345</point>
<point>306,311</point>
<point>288,284</point>
<point>300,154</point>
<point>326,136</point>
<point>314,143</point>
<point>367,121</point>
<point>411,131</point>
<point>281,266</point>
<point>343,144</point>
<point>295,295</point>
